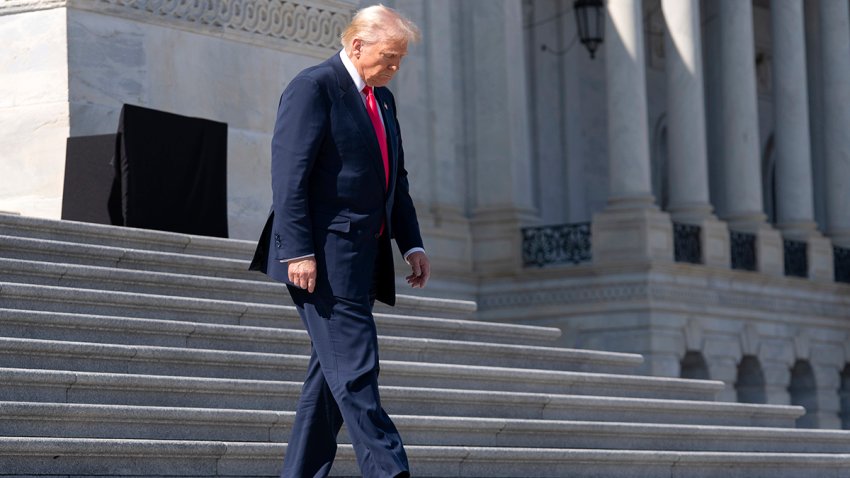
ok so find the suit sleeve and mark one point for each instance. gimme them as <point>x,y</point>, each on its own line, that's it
<point>404,221</point>
<point>302,121</point>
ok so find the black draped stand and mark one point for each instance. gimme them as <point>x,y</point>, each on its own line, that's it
<point>170,173</point>
<point>88,177</point>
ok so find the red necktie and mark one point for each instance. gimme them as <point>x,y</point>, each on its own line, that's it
<point>372,109</point>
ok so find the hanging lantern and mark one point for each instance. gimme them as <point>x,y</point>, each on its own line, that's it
<point>590,20</point>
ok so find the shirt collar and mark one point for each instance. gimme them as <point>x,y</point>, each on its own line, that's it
<point>355,76</point>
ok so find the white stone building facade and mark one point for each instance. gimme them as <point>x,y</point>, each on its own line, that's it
<point>707,137</point>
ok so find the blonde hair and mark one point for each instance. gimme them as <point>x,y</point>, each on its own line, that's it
<point>378,23</point>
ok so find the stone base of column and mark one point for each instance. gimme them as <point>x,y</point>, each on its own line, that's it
<point>496,240</point>
<point>821,264</point>
<point>770,252</point>
<point>725,369</point>
<point>633,330</point>
<point>715,243</point>
<point>840,238</point>
<point>777,377</point>
<point>828,380</point>
<point>827,419</point>
<point>628,235</point>
<point>447,237</point>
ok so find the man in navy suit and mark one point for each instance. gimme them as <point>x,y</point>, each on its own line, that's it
<point>340,192</point>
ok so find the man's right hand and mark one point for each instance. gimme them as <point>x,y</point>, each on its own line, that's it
<point>302,273</point>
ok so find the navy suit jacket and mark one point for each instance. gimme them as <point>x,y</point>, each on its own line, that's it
<point>329,188</point>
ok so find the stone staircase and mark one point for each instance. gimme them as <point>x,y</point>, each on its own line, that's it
<point>147,354</point>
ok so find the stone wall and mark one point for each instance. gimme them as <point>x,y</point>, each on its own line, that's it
<point>666,311</point>
<point>73,64</point>
<point>34,113</point>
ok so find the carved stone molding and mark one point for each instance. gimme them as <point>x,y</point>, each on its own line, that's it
<point>665,295</point>
<point>314,24</point>
<point>585,295</point>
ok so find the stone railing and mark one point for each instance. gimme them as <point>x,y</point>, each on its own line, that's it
<point>796,258</point>
<point>742,249</point>
<point>841,258</point>
<point>687,245</point>
<point>571,244</point>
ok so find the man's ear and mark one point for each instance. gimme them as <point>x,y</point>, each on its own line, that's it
<point>356,47</point>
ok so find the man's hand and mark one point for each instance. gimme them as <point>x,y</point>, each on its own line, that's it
<point>302,273</point>
<point>421,267</point>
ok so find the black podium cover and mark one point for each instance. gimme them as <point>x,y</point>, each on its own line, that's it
<point>170,173</point>
<point>88,177</point>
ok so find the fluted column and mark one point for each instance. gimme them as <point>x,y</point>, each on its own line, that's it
<point>686,134</point>
<point>628,134</point>
<point>794,185</point>
<point>686,144</point>
<point>740,132</point>
<point>835,44</point>
<point>631,228</point>
<point>499,142</point>
<point>740,152</point>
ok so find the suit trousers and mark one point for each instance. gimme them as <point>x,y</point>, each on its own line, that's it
<point>341,386</point>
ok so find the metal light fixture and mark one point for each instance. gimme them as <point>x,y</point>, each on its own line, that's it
<point>590,19</point>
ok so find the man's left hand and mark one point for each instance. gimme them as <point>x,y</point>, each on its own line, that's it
<point>421,268</point>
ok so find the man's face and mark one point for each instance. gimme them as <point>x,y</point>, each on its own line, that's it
<point>378,62</point>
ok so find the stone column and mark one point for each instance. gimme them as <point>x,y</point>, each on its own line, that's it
<point>725,369</point>
<point>631,228</point>
<point>740,151</point>
<point>777,377</point>
<point>686,143</point>
<point>499,135</point>
<point>429,93</point>
<point>828,381</point>
<point>794,184</point>
<point>835,44</point>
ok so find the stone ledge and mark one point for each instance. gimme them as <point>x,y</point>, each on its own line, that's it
<point>11,7</point>
<point>669,285</point>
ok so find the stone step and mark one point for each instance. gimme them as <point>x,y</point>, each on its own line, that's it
<point>46,250</point>
<point>148,390</point>
<point>123,421</point>
<point>193,335</point>
<point>85,457</point>
<point>116,236</point>
<point>171,361</point>
<point>69,254</point>
<point>146,282</point>
<point>258,290</point>
<point>150,306</point>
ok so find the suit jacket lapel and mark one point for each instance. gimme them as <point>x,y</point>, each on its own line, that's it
<point>354,104</point>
